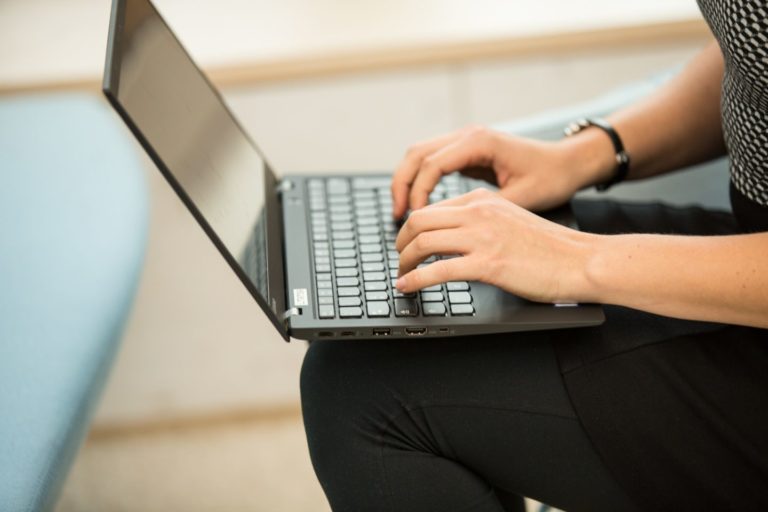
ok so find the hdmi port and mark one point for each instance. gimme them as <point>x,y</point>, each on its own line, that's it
<point>415,331</point>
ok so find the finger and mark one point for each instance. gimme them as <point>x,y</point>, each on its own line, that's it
<point>428,243</point>
<point>454,269</point>
<point>428,220</point>
<point>406,171</point>
<point>469,151</point>
<point>462,200</point>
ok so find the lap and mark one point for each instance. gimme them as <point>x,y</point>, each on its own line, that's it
<point>448,420</point>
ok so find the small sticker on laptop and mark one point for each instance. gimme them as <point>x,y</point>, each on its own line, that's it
<point>300,297</point>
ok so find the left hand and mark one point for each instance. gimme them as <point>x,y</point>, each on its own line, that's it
<point>498,243</point>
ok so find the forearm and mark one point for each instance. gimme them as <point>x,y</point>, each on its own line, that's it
<point>719,279</point>
<point>677,126</point>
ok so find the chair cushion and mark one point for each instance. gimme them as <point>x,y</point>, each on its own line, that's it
<point>73,223</point>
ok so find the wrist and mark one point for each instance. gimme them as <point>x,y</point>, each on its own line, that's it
<point>589,158</point>
<point>585,282</point>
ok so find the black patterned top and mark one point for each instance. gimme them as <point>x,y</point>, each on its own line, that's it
<point>741,28</point>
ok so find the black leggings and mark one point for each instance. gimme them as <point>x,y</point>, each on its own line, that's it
<point>469,424</point>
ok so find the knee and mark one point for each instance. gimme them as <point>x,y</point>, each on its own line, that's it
<point>339,404</point>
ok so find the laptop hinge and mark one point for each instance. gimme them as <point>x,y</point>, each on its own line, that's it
<point>284,186</point>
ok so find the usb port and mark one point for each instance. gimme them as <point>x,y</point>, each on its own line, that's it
<point>382,332</point>
<point>347,333</point>
<point>415,331</point>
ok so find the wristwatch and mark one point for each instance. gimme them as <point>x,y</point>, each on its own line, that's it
<point>622,157</point>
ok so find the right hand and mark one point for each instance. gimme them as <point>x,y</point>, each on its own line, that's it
<point>533,174</point>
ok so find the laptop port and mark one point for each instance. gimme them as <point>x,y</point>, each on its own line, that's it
<point>348,333</point>
<point>415,331</point>
<point>382,332</point>
<point>444,330</point>
<point>325,334</point>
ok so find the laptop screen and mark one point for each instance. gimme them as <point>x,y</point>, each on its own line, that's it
<point>190,133</point>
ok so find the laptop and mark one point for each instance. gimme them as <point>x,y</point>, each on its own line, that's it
<point>316,252</point>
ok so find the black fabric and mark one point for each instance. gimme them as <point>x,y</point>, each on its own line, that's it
<point>448,425</point>
<point>752,216</point>
<point>678,410</point>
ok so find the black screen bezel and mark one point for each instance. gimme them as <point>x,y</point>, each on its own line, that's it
<point>274,304</point>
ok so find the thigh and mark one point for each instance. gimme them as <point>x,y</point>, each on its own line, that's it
<point>452,420</point>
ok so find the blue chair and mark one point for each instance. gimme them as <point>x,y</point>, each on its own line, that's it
<point>73,225</point>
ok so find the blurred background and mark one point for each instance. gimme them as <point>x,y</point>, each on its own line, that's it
<point>201,411</point>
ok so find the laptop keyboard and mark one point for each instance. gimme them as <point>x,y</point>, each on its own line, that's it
<point>353,240</point>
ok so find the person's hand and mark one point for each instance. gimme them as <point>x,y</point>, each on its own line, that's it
<point>533,174</point>
<point>498,243</point>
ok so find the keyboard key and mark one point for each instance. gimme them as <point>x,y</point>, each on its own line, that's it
<point>374,276</point>
<point>462,309</point>
<point>341,226</point>
<point>393,264</point>
<point>343,235</point>
<point>431,297</point>
<point>341,217</point>
<point>370,239</point>
<point>433,288</point>
<point>372,182</point>
<point>364,248</point>
<point>338,199</point>
<point>337,186</point>
<point>323,277</point>
<point>349,301</point>
<point>320,237</point>
<point>457,286</point>
<point>344,253</point>
<point>317,206</point>
<point>393,255</point>
<point>346,272</point>
<point>393,273</point>
<point>368,221</point>
<point>406,307</point>
<point>376,296</point>
<point>323,260</point>
<point>348,292</point>
<point>375,286</point>
<point>434,309</point>
<point>324,284</point>
<point>325,300</point>
<point>326,311</point>
<point>343,244</point>
<point>371,256</point>
<point>376,266</point>
<point>347,281</point>
<point>363,194</point>
<point>378,309</point>
<point>322,252</point>
<point>398,294</point>
<point>340,208</point>
<point>325,292</point>
<point>322,267</point>
<point>459,298</point>
<point>345,262</point>
<point>351,312</point>
<point>368,230</point>
<point>321,245</point>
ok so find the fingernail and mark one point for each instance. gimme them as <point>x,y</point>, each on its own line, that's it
<point>400,283</point>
